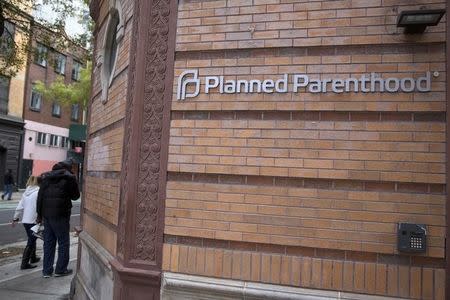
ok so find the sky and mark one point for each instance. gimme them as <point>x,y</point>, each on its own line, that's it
<point>72,26</point>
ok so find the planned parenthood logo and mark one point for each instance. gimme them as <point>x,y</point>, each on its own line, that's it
<point>184,80</point>
<point>190,84</point>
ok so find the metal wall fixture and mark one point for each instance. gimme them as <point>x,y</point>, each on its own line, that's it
<point>415,21</point>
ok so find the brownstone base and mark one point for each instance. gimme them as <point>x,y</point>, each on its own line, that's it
<point>131,283</point>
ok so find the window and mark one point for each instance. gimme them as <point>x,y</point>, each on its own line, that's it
<point>36,100</point>
<point>112,40</point>
<point>56,110</point>
<point>54,140</point>
<point>111,45</point>
<point>7,38</point>
<point>64,142</point>
<point>41,138</point>
<point>60,63</point>
<point>76,70</point>
<point>75,112</point>
<point>4,95</point>
<point>40,56</point>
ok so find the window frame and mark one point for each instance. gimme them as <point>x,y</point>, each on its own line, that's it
<point>11,28</point>
<point>41,55</point>
<point>76,70</point>
<point>112,46</point>
<point>64,142</point>
<point>34,92</point>
<point>7,89</point>
<point>77,112</point>
<point>43,136</point>
<point>58,57</point>
<point>57,115</point>
<point>54,140</point>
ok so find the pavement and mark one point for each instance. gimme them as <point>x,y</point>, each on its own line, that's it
<point>11,204</point>
<point>29,284</point>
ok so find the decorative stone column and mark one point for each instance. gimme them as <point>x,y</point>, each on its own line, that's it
<point>137,267</point>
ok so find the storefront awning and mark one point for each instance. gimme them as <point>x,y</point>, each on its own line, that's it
<point>77,132</point>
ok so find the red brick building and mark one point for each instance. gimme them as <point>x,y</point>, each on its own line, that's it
<point>47,121</point>
<point>249,149</point>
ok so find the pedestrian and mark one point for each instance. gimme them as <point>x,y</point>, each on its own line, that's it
<point>8,181</point>
<point>54,204</point>
<point>27,208</point>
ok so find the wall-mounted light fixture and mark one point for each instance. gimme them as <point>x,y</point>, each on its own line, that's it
<point>415,21</point>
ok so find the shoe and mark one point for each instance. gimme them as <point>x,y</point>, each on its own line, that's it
<point>26,259</point>
<point>65,273</point>
<point>34,259</point>
<point>47,275</point>
<point>27,266</point>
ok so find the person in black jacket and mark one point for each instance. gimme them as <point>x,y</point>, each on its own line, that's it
<point>8,181</point>
<point>58,188</point>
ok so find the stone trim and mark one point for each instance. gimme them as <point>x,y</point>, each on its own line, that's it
<point>327,116</point>
<point>309,50</point>
<point>447,240</point>
<point>137,267</point>
<point>103,61</point>
<point>99,219</point>
<point>115,125</point>
<point>76,294</point>
<point>94,9</point>
<point>134,283</point>
<point>317,183</point>
<point>180,286</point>
<point>104,174</point>
<point>93,248</point>
<point>104,256</point>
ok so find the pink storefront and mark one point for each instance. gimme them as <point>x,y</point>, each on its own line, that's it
<point>44,146</point>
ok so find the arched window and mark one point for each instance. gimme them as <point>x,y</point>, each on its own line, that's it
<point>113,36</point>
<point>111,46</point>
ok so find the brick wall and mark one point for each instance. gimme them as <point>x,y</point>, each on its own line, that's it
<point>48,75</point>
<point>319,63</point>
<point>105,140</point>
<point>334,218</point>
<point>206,25</point>
<point>102,193</point>
<point>306,189</point>
<point>303,270</point>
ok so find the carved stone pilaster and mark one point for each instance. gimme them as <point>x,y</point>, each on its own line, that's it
<point>144,168</point>
<point>94,9</point>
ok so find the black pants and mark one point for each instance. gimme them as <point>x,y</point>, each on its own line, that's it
<point>31,242</point>
<point>56,229</point>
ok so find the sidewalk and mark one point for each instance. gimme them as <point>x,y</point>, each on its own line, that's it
<point>29,284</point>
<point>16,196</point>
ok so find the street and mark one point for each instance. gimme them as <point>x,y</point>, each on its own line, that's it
<point>9,235</point>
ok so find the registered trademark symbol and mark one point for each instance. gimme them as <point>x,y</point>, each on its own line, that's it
<point>435,73</point>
